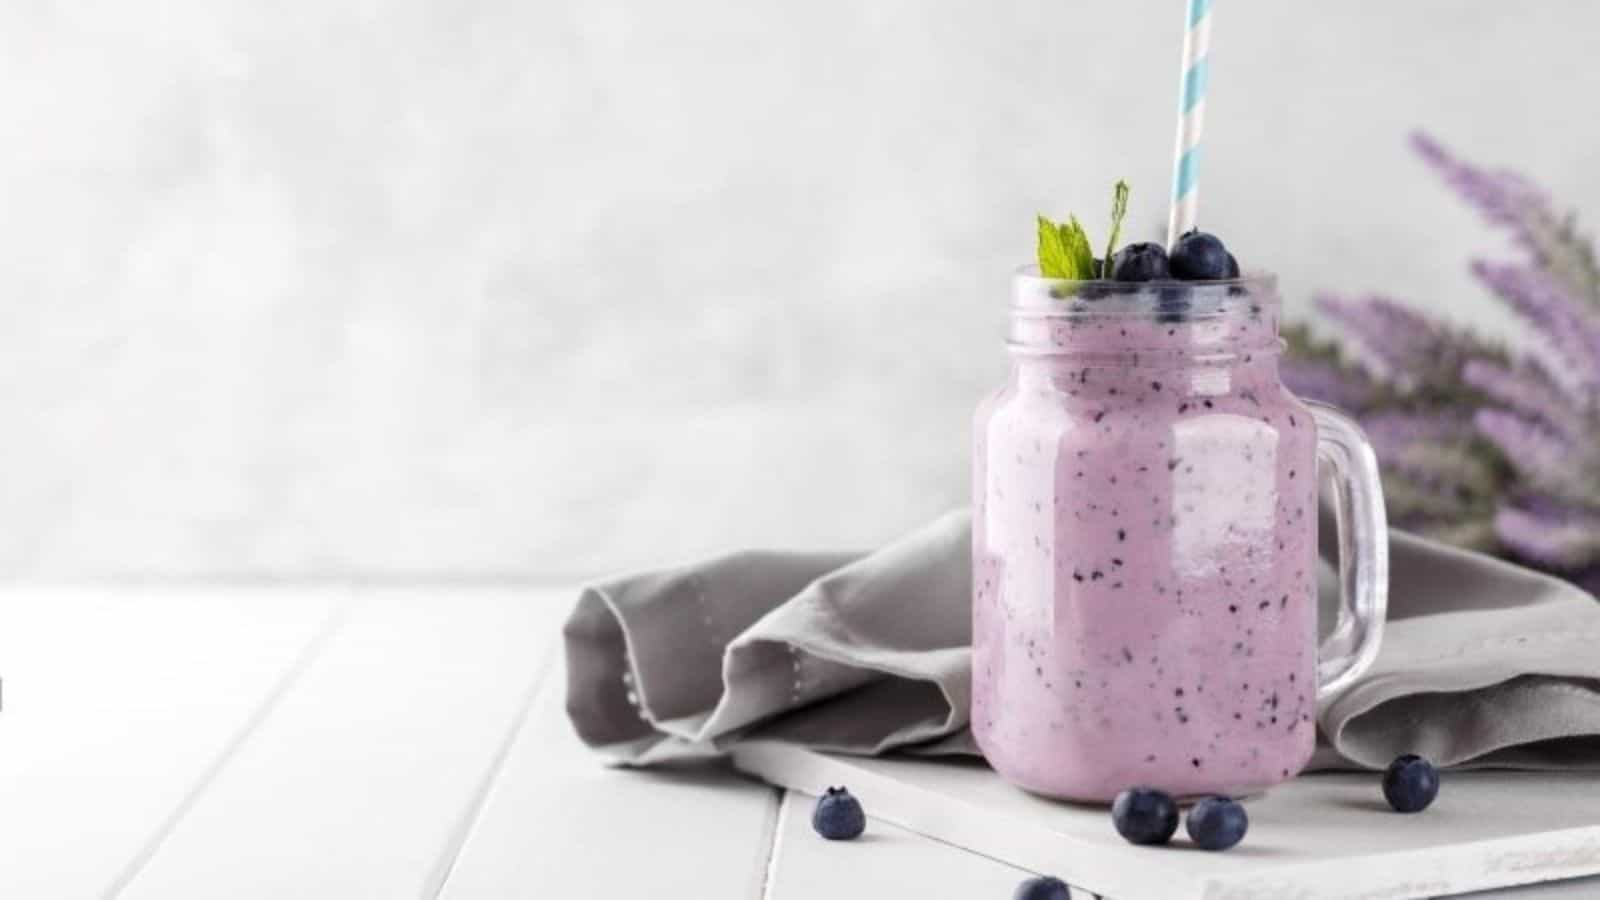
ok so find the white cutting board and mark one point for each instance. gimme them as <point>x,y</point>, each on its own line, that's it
<point>1319,837</point>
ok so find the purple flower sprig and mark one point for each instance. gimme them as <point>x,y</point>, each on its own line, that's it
<point>1479,445</point>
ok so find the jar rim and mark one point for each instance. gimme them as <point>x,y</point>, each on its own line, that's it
<point>1034,295</point>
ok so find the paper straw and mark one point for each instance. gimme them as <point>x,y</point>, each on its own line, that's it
<point>1191,119</point>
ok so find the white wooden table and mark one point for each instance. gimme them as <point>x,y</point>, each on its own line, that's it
<point>193,742</point>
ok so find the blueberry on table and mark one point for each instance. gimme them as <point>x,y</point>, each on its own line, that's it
<point>1217,823</point>
<point>1145,815</point>
<point>1140,262</point>
<point>1410,783</point>
<point>1198,256</point>
<point>838,816</point>
<point>1042,888</point>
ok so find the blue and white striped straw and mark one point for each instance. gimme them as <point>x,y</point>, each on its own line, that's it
<point>1191,120</point>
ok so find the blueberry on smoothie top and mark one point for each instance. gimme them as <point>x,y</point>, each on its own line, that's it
<point>1198,256</point>
<point>1233,267</point>
<point>1140,262</point>
<point>1042,888</point>
<point>1217,823</point>
<point>1145,815</point>
<point>838,816</point>
<point>1410,783</point>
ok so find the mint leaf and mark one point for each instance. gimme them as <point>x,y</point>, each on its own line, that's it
<point>1055,260</point>
<point>1077,241</point>
<point>1119,211</point>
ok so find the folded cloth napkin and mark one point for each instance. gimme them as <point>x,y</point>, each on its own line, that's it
<point>1483,664</point>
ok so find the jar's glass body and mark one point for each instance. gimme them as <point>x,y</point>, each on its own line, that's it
<point>1144,540</point>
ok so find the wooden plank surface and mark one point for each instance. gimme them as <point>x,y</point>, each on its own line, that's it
<point>369,772</point>
<point>219,742</point>
<point>118,704</point>
<point>559,824</point>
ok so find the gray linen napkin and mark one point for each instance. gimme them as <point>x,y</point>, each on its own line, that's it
<point>1484,663</point>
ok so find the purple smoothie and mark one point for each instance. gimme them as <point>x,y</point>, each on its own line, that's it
<point>1144,536</point>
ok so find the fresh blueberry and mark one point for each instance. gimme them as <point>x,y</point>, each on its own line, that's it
<point>1140,262</point>
<point>1042,888</point>
<point>1198,256</point>
<point>1145,815</point>
<point>838,816</point>
<point>1410,783</point>
<point>1217,823</point>
<point>1234,290</point>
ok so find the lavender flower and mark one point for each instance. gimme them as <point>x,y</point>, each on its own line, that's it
<point>1563,539</point>
<point>1392,432</point>
<point>1506,199</point>
<point>1572,331</point>
<point>1510,201</point>
<point>1480,446</point>
<point>1325,381</point>
<point>1537,453</point>
<point>1527,387</point>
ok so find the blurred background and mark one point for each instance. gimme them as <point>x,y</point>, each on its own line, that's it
<point>489,289</point>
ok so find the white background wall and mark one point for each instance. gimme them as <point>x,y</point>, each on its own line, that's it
<point>489,287</point>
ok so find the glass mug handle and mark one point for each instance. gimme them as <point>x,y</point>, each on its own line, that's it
<point>1363,538</point>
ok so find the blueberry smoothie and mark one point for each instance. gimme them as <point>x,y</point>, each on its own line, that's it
<point>1144,538</point>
